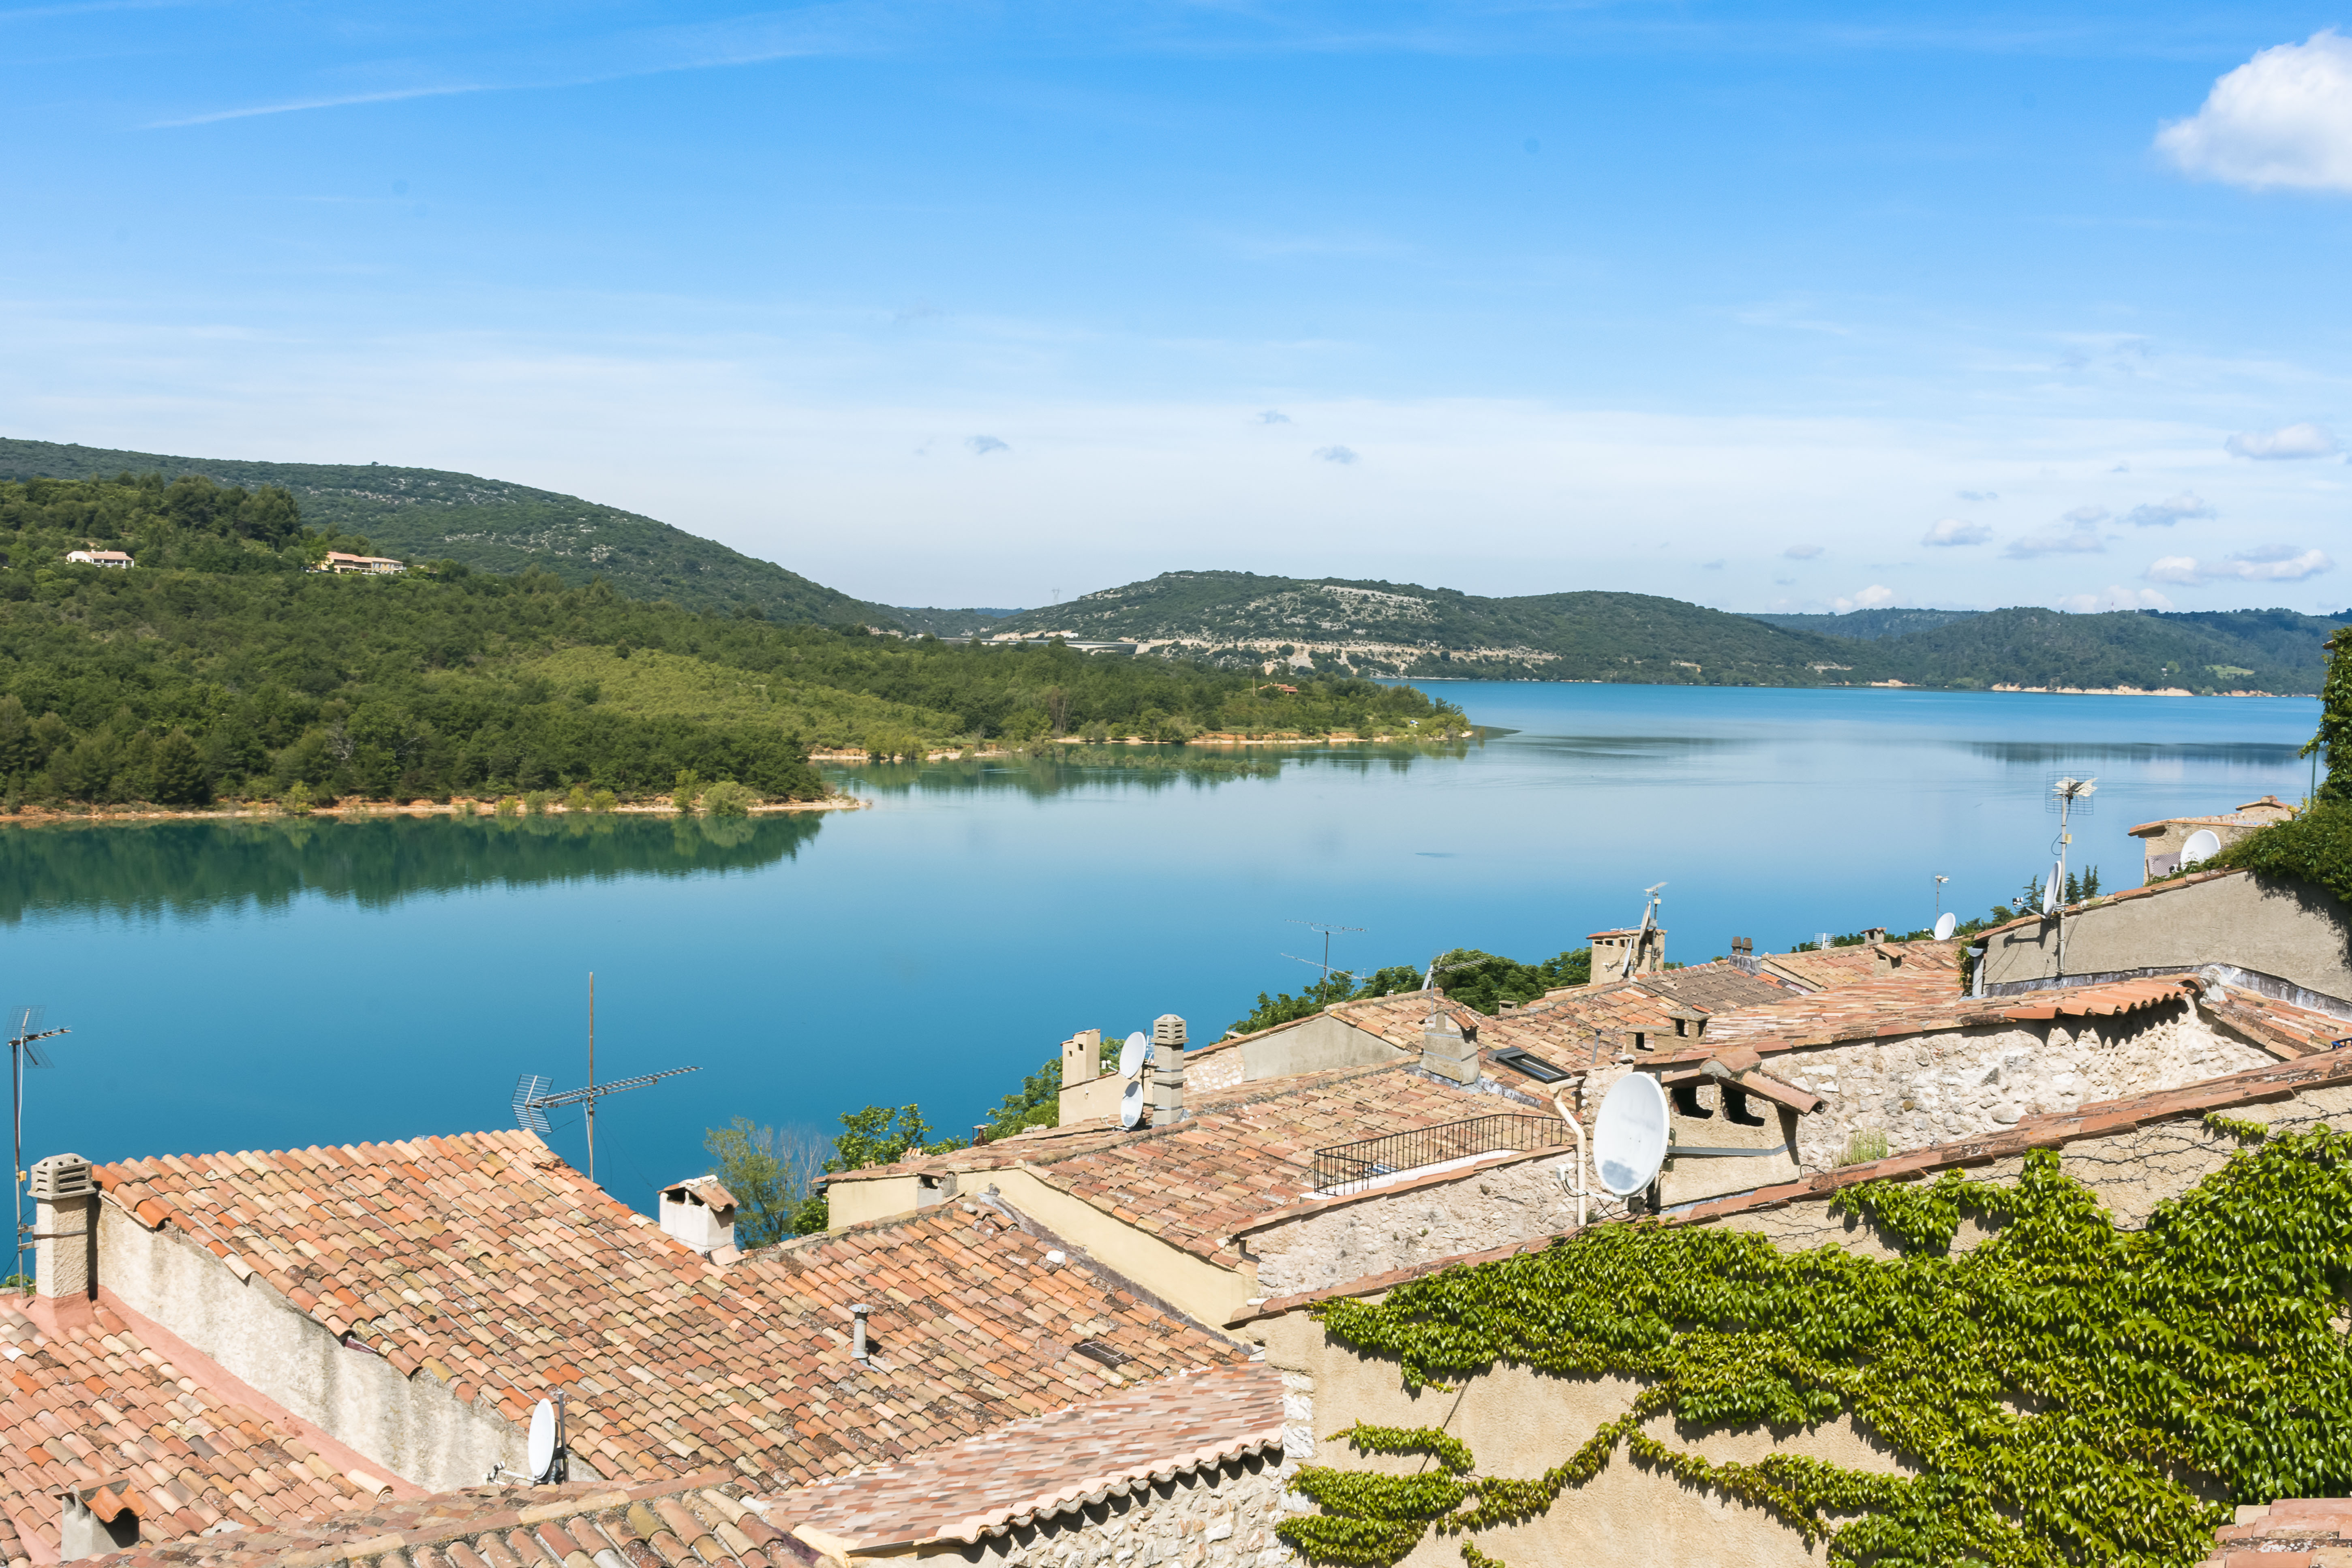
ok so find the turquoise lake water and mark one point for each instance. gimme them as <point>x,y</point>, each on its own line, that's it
<point>267,985</point>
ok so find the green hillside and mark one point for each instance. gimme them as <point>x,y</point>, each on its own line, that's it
<point>2276,651</point>
<point>1865,626</point>
<point>433,514</point>
<point>1404,628</point>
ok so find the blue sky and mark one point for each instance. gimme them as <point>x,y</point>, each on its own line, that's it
<point>1762,306</point>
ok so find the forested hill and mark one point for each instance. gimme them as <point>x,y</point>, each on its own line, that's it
<point>488,524</point>
<point>1404,628</point>
<point>220,666</point>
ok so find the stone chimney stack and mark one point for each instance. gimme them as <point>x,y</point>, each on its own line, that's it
<point>701,1214</point>
<point>1167,1069</point>
<point>1447,1049</point>
<point>1081,1058</point>
<point>65,1224</point>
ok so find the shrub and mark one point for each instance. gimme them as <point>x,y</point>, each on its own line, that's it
<point>538,801</point>
<point>602,800</point>
<point>686,791</point>
<point>728,798</point>
<point>296,799</point>
<point>577,800</point>
<point>508,806</point>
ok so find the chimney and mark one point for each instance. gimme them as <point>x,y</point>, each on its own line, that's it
<point>699,1213</point>
<point>65,1228</point>
<point>857,1346</point>
<point>1167,1069</point>
<point>1447,1050</point>
<point>1081,1058</point>
<point>1885,959</point>
<point>1873,935</point>
<point>96,1521</point>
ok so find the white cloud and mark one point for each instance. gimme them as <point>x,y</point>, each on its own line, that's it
<point>2282,118</point>
<point>982,445</point>
<point>2114,598</point>
<point>2306,440</point>
<point>2083,541</point>
<point>1952,530</point>
<point>1336,454</point>
<point>1869,598</point>
<point>2171,509</point>
<point>2268,563</point>
<point>1273,416</point>
<point>1802,552</point>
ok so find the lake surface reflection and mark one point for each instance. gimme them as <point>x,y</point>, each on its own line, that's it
<point>267,984</point>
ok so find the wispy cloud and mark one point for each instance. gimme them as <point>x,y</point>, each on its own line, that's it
<point>2116,598</point>
<point>1336,454</point>
<point>1980,495</point>
<point>1871,598</point>
<point>2164,513</point>
<point>1952,530</point>
<point>2267,563</point>
<point>2083,539</point>
<point>1802,552</point>
<point>2284,444</point>
<point>982,445</point>
<point>299,105</point>
<point>1273,416</point>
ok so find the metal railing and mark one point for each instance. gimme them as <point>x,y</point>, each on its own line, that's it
<point>1346,1166</point>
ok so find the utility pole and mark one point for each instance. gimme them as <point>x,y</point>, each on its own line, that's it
<point>592,1076</point>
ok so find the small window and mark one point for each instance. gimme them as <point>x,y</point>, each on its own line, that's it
<point>1737,1107</point>
<point>1686,1103</point>
<point>1536,1068</point>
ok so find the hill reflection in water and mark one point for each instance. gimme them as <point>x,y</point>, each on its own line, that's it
<point>191,867</point>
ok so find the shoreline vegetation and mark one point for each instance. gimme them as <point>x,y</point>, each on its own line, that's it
<point>223,666</point>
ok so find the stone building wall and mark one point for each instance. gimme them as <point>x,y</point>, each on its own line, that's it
<point>1482,1208</point>
<point>1518,1422</point>
<point>1220,1518</point>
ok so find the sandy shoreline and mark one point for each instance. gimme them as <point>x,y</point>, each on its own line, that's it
<point>356,810</point>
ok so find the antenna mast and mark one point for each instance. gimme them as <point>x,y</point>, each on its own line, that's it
<point>592,1075</point>
<point>23,1053</point>
<point>2066,794</point>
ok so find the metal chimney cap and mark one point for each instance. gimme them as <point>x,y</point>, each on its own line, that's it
<point>61,1177</point>
<point>860,1308</point>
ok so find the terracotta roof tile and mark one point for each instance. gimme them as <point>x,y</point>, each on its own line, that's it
<point>93,1409</point>
<point>436,1251</point>
<point>497,1527</point>
<point>1053,1464</point>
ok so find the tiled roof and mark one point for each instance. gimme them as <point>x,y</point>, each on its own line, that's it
<point>1713,987</point>
<point>1243,1152</point>
<point>1050,1465</point>
<point>2150,891</point>
<point>2289,1533</point>
<point>1828,968</point>
<point>95,1410</point>
<point>685,1523</point>
<point>1908,1003</point>
<point>2282,1027</point>
<point>488,1262</point>
<point>2104,1119</point>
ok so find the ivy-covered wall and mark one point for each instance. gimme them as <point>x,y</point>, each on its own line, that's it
<point>2081,1355</point>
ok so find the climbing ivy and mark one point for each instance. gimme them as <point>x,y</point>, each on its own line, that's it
<point>2064,1392</point>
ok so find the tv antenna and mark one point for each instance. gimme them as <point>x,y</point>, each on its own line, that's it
<point>1940,893</point>
<point>2068,797</point>
<point>23,1051</point>
<point>532,1101</point>
<point>1327,933</point>
<point>1436,969</point>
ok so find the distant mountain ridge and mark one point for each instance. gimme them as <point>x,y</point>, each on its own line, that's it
<point>436,514</point>
<point>1376,627</point>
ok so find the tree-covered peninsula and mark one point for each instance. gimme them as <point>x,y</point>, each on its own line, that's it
<point>220,665</point>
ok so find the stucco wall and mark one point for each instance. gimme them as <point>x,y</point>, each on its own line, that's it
<point>1211,1519</point>
<point>1201,1289</point>
<point>2292,931</point>
<point>1481,1209</point>
<point>413,1427</point>
<point>1320,1043</point>
<point>852,1203</point>
<point>1519,1423</point>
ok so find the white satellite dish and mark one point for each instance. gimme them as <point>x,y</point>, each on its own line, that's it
<point>1133,1055</point>
<point>542,1442</point>
<point>2049,893</point>
<point>1945,925</point>
<point>1131,1107</point>
<point>1629,1136</point>
<point>2203,844</point>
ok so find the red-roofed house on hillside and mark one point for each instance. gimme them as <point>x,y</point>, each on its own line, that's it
<point>342,563</point>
